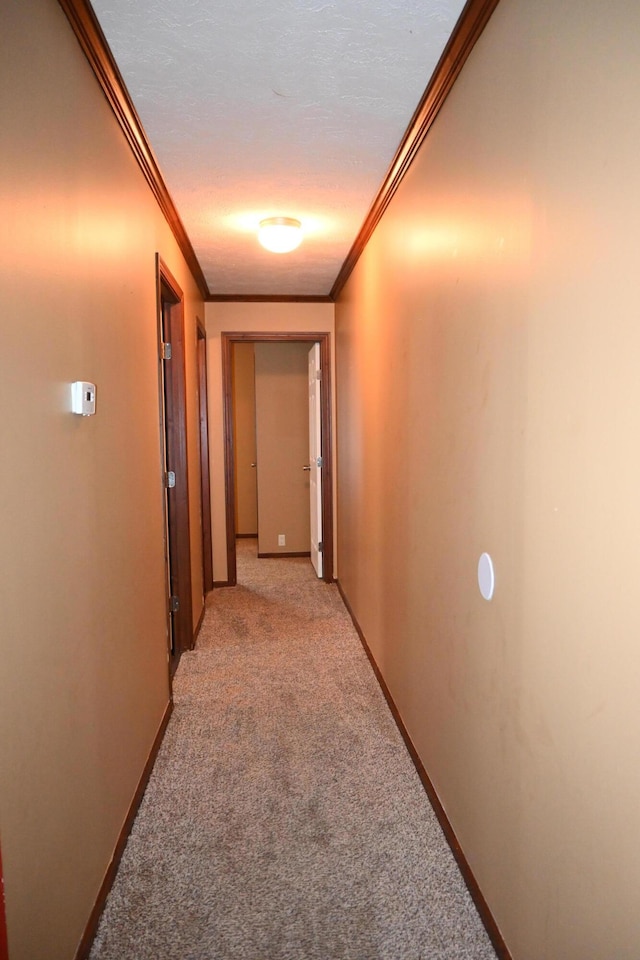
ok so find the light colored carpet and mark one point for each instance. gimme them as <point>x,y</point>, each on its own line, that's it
<point>284,819</point>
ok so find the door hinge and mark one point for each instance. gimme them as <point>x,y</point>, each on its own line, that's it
<point>174,604</point>
<point>170,479</point>
<point>166,351</point>
<point>319,462</point>
<point>318,374</point>
<point>321,547</point>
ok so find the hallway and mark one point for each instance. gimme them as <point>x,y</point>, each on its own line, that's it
<point>284,818</point>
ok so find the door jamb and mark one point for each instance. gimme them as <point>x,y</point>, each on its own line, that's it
<point>205,479</point>
<point>4,949</point>
<point>227,342</point>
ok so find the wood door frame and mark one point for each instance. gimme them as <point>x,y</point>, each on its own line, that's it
<point>205,478</point>
<point>4,949</point>
<point>174,454</point>
<point>227,342</point>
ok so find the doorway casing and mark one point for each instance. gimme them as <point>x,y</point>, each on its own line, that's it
<point>205,481</point>
<point>227,342</point>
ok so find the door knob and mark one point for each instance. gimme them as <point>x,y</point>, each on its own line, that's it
<point>254,464</point>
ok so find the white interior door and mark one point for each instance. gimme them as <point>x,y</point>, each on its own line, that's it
<point>315,457</point>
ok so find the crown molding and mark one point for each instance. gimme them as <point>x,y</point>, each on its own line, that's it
<point>96,49</point>
<point>471,23</point>
<point>266,298</point>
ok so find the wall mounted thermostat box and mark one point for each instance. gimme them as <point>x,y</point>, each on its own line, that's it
<point>83,398</point>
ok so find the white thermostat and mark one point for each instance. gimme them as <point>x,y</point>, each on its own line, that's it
<point>83,398</point>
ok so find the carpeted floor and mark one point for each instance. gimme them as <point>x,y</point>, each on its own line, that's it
<point>284,819</point>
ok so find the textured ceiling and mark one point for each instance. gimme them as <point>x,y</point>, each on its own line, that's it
<point>281,108</point>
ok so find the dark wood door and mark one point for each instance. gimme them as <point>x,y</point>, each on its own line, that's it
<point>176,479</point>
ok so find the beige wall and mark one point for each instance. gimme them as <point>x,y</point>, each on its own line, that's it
<point>83,685</point>
<point>244,435</point>
<point>488,346</point>
<point>255,318</point>
<point>282,419</point>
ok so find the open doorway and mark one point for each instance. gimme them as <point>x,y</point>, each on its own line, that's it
<point>322,461</point>
<point>271,447</point>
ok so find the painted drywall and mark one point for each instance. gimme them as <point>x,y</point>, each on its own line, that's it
<point>84,684</point>
<point>244,439</point>
<point>489,400</point>
<point>237,317</point>
<point>282,422</point>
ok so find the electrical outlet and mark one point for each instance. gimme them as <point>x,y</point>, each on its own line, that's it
<point>282,540</point>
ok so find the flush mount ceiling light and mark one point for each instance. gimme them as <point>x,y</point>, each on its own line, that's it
<point>280,234</point>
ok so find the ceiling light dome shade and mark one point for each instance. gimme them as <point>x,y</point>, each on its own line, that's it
<point>280,234</point>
